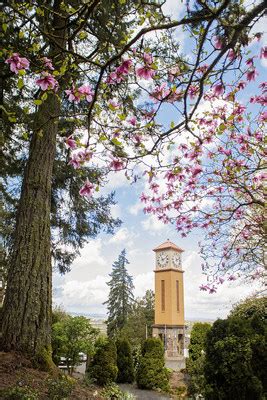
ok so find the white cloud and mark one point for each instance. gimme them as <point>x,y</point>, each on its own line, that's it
<point>134,209</point>
<point>84,297</point>
<point>199,304</point>
<point>91,254</point>
<point>151,223</point>
<point>123,235</point>
<point>142,283</point>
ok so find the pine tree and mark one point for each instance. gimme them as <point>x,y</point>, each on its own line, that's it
<point>121,297</point>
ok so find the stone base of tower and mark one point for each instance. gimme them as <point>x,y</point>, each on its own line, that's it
<point>173,338</point>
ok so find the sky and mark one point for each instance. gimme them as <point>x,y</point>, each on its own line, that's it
<point>84,289</point>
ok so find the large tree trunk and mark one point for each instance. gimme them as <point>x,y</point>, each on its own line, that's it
<point>27,305</point>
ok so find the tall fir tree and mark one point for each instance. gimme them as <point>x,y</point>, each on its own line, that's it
<point>121,296</point>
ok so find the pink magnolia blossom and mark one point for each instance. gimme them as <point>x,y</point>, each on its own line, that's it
<point>114,104</point>
<point>197,169</point>
<point>144,198</point>
<point>263,86</point>
<point>87,91</point>
<point>85,155</point>
<point>160,92</point>
<point>114,78</point>
<point>241,85</point>
<point>116,165</point>
<point>48,63</point>
<point>251,74</point>
<point>192,91</point>
<point>132,120</point>
<point>125,67</point>
<point>231,55</point>
<point>70,143</point>
<point>232,278</point>
<point>173,72</point>
<point>17,63</point>
<point>263,53</point>
<point>75,161</point>
<point>263,116</point>
<point>217,42</point>
<point>73,94</point>
<point>212,290</point>
<point>148,58</point>
<point>87,189</point>
<point>202,68</point>
<point>218,89</point>
<point>145,72</point>
<point>47,81</point>
<point>250,62</point>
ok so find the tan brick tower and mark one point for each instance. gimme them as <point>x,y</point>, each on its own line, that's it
<point>169,299</point>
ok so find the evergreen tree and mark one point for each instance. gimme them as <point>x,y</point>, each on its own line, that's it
<point>124,361</point>
<point>151,372</point>
<point>121,297</point>
<point>103,368</point>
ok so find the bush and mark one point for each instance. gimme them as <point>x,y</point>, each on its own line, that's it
<point>19,393</point>
<point>124,361</point>
<point>60,388</point>
<point>103,367</point>
<point>151,373</point>
<point>235,359</point>
<point>113,392</point>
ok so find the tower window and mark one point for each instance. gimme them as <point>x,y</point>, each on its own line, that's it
<point>177,296</point>
<point>162,295</point>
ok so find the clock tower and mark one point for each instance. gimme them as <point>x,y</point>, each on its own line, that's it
<point>169,299</point>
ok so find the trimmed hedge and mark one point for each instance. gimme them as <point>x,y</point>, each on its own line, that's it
<point>151,373</point>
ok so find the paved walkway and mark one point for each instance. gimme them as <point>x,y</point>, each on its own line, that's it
<point>143,394</point>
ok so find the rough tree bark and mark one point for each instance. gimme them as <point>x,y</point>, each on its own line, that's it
<point>27,305</point>
<point>26,323</point>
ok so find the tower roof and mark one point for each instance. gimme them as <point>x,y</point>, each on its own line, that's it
<point>168,245</point>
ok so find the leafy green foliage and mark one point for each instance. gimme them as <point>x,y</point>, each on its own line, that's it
<point>120,300</point>
<point>71,336</point>
<point>235,359</point>
<point>19,393</point>
<point>103,368</point>
<point>140,319</point>
<point>60,388</point>
<point>251,307</point>
<point>113,392</point>
<point>151,373</point>
<point>124,361</point>
<point>197,339</point>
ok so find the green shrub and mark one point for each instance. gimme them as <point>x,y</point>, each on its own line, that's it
<point>151,373</point>
<point>103,367</point>
<point>60,388</point>
<point>124,361</point>
<point>113,392</point>
<point>19,393</point>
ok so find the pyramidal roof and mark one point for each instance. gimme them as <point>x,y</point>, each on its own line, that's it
<point>168,245</point>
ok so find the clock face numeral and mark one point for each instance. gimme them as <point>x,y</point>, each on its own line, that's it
<point>162,260</point>
<point>176,260</point>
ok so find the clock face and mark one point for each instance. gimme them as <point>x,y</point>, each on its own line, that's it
<point>162,260</point>
<point>176,260</point>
